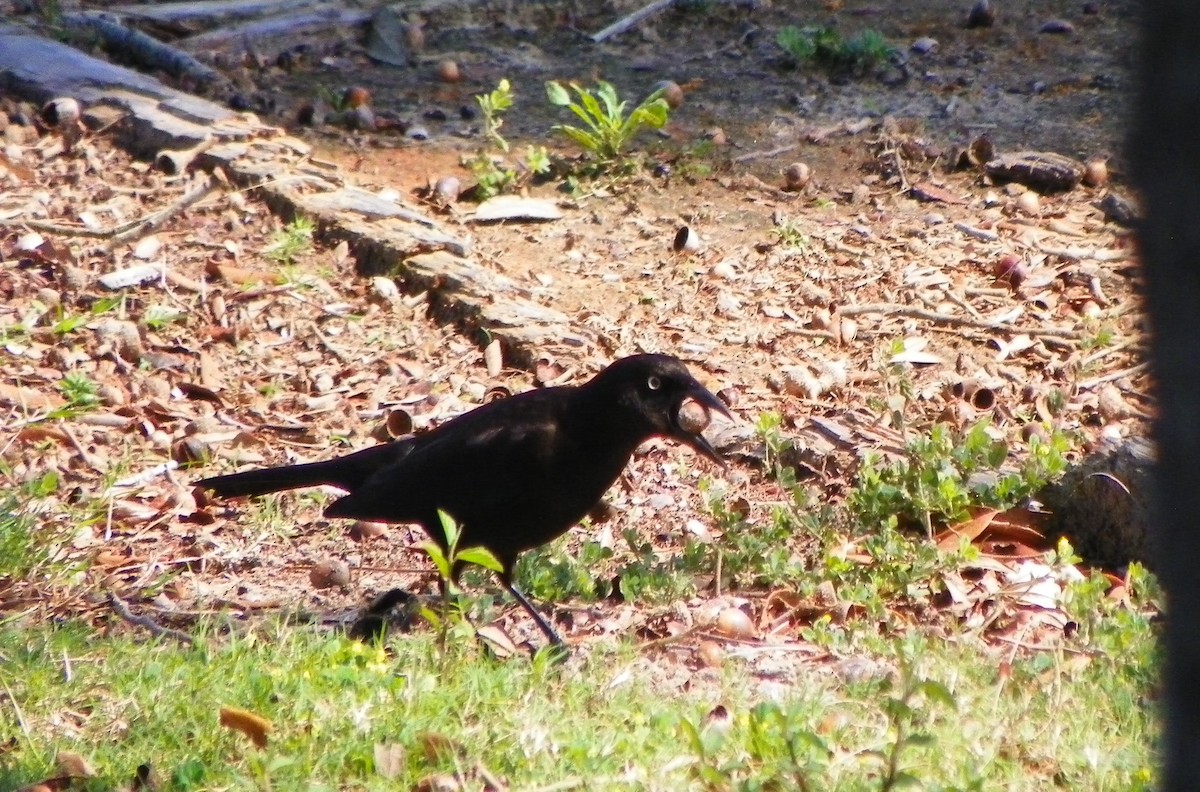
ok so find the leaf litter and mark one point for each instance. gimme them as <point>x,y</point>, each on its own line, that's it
<point>202,347</point>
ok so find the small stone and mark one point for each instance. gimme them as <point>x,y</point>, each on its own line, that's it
<point>1060,27</point>
<point>724,269</point>
<point>660,500</point>
<point>18,135</point>
<point>924,45</point>
<point>981,15</point>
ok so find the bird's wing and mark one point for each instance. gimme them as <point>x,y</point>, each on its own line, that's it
<point>484,466</point>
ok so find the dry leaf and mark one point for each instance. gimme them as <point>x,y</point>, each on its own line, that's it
<point>389,759</point>
<point>971,529</point>
<point>253,726</point>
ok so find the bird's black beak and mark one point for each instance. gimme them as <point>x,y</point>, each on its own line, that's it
<point>699,394</point>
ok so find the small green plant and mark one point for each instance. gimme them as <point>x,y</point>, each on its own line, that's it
<point>492,105</point>
<point>447,562</point>
<point>789,234</point>
<point>66,324</point>
<point>493,172</point>
<point>291,241</point>
<point>907,710</point>
<point>825,47</point>
<point>79,391</point>
<point>933,482</point>
<point>606,131</point>
<point>159,316</point>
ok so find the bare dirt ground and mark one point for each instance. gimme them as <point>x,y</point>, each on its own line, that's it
<point>796,303</point>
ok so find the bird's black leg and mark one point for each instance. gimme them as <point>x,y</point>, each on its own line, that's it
<point>541,622</point>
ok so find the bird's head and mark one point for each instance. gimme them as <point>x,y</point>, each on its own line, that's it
<point>652,390</point>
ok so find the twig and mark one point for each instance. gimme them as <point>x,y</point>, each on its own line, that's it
<point>56,229</point>
<point>658,643</point>
<point>632,20</point>
<point>198,192</point>
<point>120,233</point>
<point>146,622</point>
<point>17,709</point>
<point>1113,375</point>
<point>87,458</point>
<point>138,479</point>
<point>956,321</point>
<point>753,155</point>
<point>1112,350</point>
<point>144,49</point>
<point>978,233</point>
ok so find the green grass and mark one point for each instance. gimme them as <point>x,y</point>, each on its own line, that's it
<point>945,713</point>
<point>825,47</point>
<point>896,695</point>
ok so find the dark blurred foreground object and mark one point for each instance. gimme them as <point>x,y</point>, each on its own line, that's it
<point>514,473</point>
<point>1165,154</point>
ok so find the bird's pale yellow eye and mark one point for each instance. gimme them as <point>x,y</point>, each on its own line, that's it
<point>654,383</point>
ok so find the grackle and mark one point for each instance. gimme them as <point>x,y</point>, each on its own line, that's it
<point>513,473</point>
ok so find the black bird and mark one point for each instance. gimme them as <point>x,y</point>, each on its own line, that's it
<point>514,473</point>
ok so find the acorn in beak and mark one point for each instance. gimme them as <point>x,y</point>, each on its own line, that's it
<point>690,417</point>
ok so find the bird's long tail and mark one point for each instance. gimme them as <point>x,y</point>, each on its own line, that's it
<point>348,472</point>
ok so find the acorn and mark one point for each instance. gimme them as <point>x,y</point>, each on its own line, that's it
<point>717,136</point>
<point>796,176</point>
<point>669,91</point>
<point>414,37</point>
<point>356,96</point>
<point>1095,173</point>
<point>686,241</point>
<point>734,623</point>
<point>447,189</point>
<point>1029,203</point>
<point>448,72</point>
<point>329,573</point>
<point>693,417</point>
<point>1010,268</point>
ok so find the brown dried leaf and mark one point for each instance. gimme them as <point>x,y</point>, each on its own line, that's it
<point>253,726</point>
<point>29,398</point>
<point>971,529</point>
<point>389,759</point>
